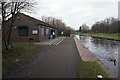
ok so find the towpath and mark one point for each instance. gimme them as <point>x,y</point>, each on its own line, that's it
<point>53,61</point>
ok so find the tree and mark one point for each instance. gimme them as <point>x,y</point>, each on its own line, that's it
<point>80,29</point>
<point>84,28</point>
<point>9,11</point>
<point>108,25</point>
<point>57,23</point>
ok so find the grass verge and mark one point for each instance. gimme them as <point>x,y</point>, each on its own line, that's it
<point>113,36</point>
<point>18,53</point>
<point>91,70</point>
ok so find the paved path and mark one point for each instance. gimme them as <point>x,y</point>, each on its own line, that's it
<point>50,41</point>
<point>53,61</point>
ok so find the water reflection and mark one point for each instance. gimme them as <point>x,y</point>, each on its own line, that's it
<point>104,50</point>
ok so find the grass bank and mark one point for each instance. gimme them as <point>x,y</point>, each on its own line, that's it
<point>91,70</point>
<point>17,54</point>
<point>113,36</point>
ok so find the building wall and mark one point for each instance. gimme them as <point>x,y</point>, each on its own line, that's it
<point>20,22</point>
<point>44,31</point>
<point>24,20</point>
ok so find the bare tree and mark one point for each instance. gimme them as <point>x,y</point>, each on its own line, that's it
<point>108,25</point>
<point>57,23</point>
<point>84,28</point>
<point>9,11</point>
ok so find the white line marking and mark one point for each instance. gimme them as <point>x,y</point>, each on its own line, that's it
<point>60,41</point>
<point>55,42</point>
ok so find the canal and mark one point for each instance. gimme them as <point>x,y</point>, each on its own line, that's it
<point>105,50</point>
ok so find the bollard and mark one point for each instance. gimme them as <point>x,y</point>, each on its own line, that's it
<point>114,61</point>
<point>99,77</point>
<point>30,40</point>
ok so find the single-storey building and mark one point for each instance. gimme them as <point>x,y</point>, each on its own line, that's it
<point>28,27</point>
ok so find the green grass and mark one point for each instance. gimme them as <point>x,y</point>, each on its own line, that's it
<point>114,36</point>
<point>91,70</point>
<point>19,51</point>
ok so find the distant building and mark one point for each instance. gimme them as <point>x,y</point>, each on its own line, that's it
<point>26,26</point>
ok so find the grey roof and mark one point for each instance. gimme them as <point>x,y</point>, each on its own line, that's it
<point>39,22</point>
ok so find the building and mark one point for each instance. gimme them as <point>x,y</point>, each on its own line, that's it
<point>28,27</point>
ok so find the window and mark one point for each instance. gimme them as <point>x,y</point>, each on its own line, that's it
<point>42,30</point>
<point>23,31</point>
<point>34,32</point>
<point>47,31</point>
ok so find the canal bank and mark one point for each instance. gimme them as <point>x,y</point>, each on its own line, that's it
<point>87,56</point>
<point>103,50</point>
<point>113,36</point>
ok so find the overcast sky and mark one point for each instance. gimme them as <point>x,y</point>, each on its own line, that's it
<point>77,12</point>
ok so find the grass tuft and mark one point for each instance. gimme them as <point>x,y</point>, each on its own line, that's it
<point>91,70</point>
<point>113,36</point>
<point>18,53</point>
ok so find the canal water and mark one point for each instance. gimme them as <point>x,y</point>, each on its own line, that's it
<point>105,50</point>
